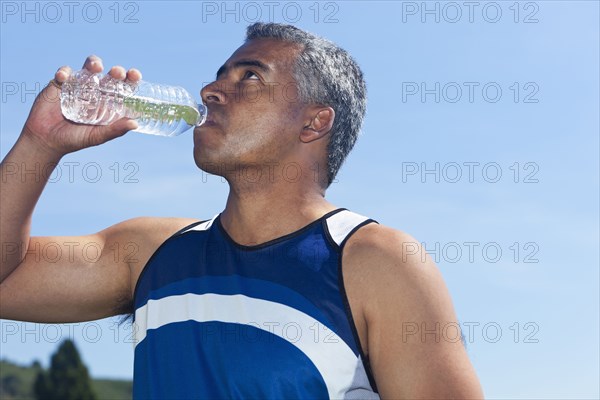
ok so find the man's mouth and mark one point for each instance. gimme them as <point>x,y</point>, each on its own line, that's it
<point>209,120</point>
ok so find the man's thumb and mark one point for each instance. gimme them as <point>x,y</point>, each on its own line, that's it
<point>120,127</point>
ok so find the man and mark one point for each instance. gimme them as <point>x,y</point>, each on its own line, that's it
<point>281,295</point>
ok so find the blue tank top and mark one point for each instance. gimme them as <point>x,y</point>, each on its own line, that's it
<point>215,319</point>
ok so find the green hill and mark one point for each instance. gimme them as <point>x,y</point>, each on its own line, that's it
<point>16,382</point>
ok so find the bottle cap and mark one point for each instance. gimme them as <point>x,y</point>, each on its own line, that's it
<point>203,112</point>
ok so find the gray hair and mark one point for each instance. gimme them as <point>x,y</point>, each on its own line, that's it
<point>327,75</point>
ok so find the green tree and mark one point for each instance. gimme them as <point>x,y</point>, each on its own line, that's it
<point>66,379</point>
<point>41,386</point>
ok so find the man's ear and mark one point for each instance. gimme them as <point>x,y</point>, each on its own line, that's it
<point>319,124</point>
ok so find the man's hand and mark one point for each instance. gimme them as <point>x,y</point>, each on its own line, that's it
<point>51,130</point>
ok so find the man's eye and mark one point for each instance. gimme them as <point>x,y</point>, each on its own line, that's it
<point>250,75</point>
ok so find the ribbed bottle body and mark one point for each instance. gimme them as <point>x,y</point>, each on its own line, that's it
<point>100,100</point>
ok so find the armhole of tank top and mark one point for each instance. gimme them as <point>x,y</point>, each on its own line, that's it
<point>347,308</point>
<point>179,232</point>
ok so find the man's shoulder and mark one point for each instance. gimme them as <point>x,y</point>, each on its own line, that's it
<point>384,256</point>
<point>149,227</point>
<point>397,288</point>
<point>143,235</point>
<point>392,271</point>
<point>382,242</point>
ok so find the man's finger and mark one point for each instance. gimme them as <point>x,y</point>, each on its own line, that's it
<point>117,72</point>
<point>93,64</point>
<point>134,75</point>
<point>62,74</point>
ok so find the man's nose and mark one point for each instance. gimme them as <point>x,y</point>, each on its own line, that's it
<point>213,93</point>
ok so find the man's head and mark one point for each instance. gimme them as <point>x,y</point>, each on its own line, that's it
<point>311,86</point>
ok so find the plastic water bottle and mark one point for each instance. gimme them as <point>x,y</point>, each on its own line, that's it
<point>98,99</point>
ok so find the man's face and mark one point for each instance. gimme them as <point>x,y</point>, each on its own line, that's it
<point>254,116</point>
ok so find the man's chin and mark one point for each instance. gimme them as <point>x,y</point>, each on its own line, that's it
<point>206,163</point>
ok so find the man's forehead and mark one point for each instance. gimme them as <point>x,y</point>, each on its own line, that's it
<point>277,54</point>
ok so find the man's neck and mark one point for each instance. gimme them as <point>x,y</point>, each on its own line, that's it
<point>257,215</point>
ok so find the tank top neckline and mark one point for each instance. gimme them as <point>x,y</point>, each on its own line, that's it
<point>279,239</point>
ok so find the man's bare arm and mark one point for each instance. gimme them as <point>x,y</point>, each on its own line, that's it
<point>403,294</point>
<point>66,279</point>
<point>46,137</point>
<point>82,278</point>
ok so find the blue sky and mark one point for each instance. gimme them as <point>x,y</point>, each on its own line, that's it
<point>516,158</point>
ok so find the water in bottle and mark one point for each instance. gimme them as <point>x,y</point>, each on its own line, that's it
<point>98,99</point>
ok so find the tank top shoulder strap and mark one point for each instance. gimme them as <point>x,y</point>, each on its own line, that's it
<point>341,225</point>
<point>196,226</point>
